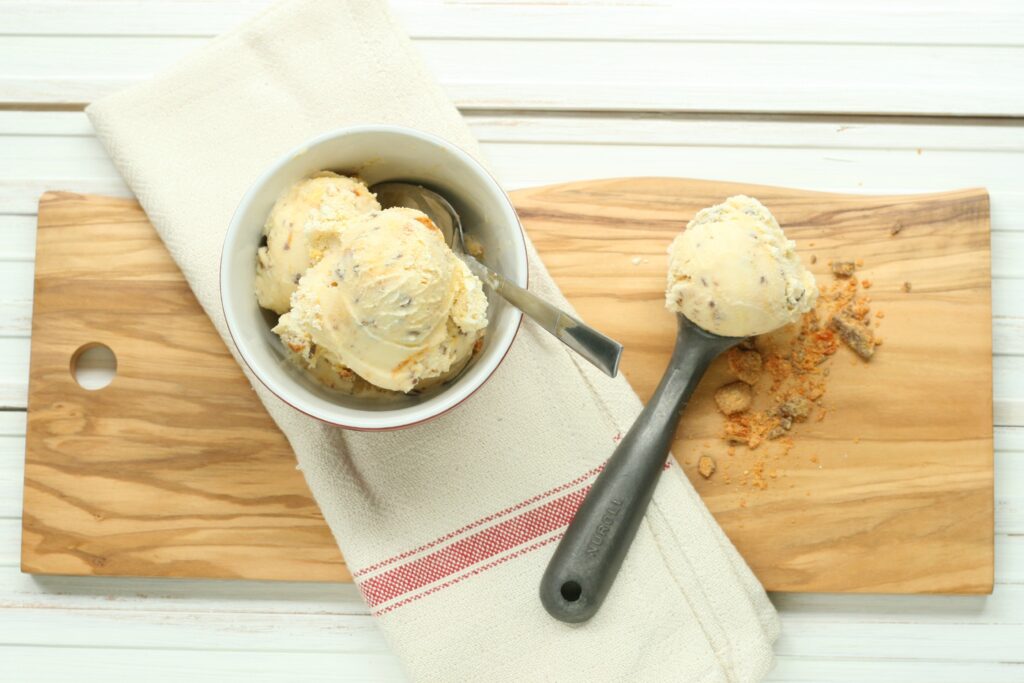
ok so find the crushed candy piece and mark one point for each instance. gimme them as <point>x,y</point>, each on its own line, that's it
<point>733,398</point>
<point>842,268</point>
<point>854,334</point>
<point>706,466</point>
<point>746,364</point>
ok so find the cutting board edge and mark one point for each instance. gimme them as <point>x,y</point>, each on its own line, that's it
<point>971,190</point>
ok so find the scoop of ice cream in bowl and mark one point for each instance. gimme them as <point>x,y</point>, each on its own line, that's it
<point>387,302</point>
<point>361,316</point>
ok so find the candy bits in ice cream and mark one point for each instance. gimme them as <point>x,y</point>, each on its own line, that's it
<point>285,257</point>
<point>387,299</point>
<point>733,272</point>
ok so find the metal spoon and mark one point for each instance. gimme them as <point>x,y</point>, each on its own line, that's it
<point>602,351</point>
<point>588,557</point>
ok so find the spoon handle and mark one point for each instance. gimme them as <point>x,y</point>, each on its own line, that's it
<point>587,559</point>
<point>602,351</point>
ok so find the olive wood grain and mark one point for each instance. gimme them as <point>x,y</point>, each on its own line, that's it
<point>175,469</point>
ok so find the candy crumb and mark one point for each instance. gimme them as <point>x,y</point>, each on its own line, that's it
<point>706,466</point>
<point>733,398</point>
<point>842,268</point>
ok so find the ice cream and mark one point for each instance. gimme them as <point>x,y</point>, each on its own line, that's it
<point>387,299</point>
<point>733,272</point>
<point>285,258</point>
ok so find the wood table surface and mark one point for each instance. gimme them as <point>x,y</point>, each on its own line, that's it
<point>896,96</point>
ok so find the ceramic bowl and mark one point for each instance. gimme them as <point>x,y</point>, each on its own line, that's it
<point>375,154</point>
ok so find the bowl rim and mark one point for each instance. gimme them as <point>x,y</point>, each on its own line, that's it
<point>303,147</point>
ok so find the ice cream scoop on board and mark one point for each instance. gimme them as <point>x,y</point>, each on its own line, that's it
<point>732,274</point>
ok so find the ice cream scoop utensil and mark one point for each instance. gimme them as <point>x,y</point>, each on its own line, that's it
<point>588,557</point>
<point>602,351</point>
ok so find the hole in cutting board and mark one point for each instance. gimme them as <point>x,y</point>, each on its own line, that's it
<point>93,366</point>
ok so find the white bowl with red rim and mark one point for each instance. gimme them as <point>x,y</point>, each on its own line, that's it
<point>376,154</point>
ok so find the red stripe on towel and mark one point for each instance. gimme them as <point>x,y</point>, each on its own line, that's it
<point>474,572</point>
<point>466,552</point>
<point>492,543</point>
<point>490,518</point>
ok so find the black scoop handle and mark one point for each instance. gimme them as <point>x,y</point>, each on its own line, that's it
<point>588,557</point>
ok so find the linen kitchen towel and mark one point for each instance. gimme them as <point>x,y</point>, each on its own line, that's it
<point>447,527</point>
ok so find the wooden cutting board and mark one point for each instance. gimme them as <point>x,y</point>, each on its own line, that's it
<point>174,469</point>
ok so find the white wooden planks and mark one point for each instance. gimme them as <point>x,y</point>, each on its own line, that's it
<point>595,75</point>
<point>873,57</point>
<point>904,22</point>
<point>59,665</point>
